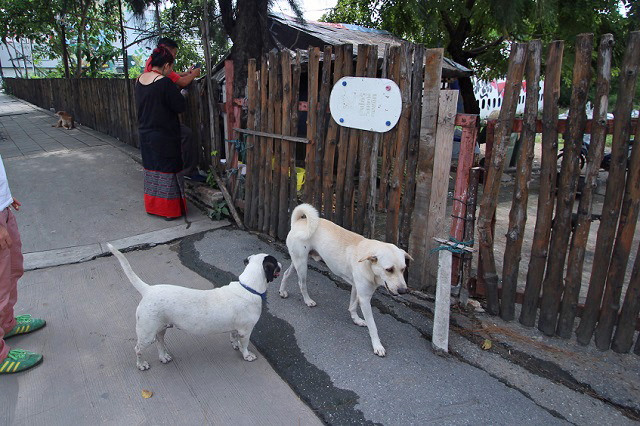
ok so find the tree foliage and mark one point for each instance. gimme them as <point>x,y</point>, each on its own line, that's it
<point>478,33</point>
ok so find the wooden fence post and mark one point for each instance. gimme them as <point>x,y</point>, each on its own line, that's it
<point>424,170</point>
<point>276,159</point>
<point>330,143</point>
<point>437,225</point>
<point>493,176</point>
<point>552,285</point>
<point>268,159</point>
<point>251,169</point>
<point>352,155</point>
<point>295,94</point>
<point>613,195</point>
<point>284,162</point>
<point>343,145</point>
<point>469,232</point>
<point>518,213</point>
<point>546,196</point>
<point>362,223</point>
<point>402,61</point>
<point>621,250</point>
<point>580,236</point>
<point>323,101</point>
<point>412,148</point>
<point>262,161</point>
<point>440,335</point>
<point>313,68</point>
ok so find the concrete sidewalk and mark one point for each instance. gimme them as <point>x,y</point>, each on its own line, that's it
<point>80,189</point>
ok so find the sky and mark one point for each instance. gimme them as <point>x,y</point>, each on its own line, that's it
<point>313,9</point>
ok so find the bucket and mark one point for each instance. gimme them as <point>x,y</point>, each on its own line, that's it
<point>300,175</point>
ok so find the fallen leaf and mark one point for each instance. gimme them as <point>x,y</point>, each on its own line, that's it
<point>147,394</point>
<point>486,345</point>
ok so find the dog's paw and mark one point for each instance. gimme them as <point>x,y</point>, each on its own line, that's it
<point>250,356</point>
<point>310,303</point>
<point>165,358</point>
<point>143,365</point>
<point>379,350</point>
<point>359,322</point>
<point>284,294</point>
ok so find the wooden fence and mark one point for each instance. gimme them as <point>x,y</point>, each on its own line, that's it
<point>393,186</point>
<point>106,106</point>
<point>552,286</point>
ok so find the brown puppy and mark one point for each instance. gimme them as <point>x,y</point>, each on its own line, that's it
<point>64,120</point>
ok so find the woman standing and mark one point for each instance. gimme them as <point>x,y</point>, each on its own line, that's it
<point>159,102</point>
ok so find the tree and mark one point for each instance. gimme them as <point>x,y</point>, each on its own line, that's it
<point>246,24</point>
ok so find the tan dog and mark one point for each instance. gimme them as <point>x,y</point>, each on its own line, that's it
<point>365,264</point>
<point>64,120</point>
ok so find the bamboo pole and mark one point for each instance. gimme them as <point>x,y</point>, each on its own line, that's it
<point>613,195</point>
<point>489,199</point>
<point>552,284</point>
<point>546,196</point>
<point>518,213</point>
<point>580,237</point>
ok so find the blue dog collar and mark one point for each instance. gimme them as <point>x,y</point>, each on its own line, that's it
<point>250,290</point>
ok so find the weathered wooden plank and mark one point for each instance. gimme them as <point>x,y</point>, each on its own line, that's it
<point>277,147</point>
<point>424,170</point>
<point>330,144</point>
<point>274,135</point>
<point>363,224</point>
<point>518,213</point>
<point>273,77</point>
<point>251,170</point>
<point>352,154</point>
<point>386,139</point>
<point>401,75</point>
<point>313,75</point>
<point>295,94</point>
<point>489,199</point>
<point>438,222</point>
<point>569,173</point>
<point>343,145</point>
<point>546,196</point>
<point>615,183</point>
<point>285,158</point>
<point>257,160</point>
<point>321,120</point>
<point>264,78</point>
<point>575,261</point>
<point>412,147</point>
<point>469,231</point>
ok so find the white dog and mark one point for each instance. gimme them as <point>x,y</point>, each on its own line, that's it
<point>365,264</point>
<point>234,308</point>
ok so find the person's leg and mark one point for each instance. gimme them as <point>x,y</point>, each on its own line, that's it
<point>8,285</point>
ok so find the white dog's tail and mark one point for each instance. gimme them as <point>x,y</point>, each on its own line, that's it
<point>313,220</point>
<point>140,285</point>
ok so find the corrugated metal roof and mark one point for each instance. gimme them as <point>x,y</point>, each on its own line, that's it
<point>291,34</point>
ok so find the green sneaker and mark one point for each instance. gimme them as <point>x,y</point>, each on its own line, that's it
<point>25,324</point>
<point>19,360</point>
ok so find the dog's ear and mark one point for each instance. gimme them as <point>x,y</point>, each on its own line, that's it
<point>371,258</point>
<point>271,268</point>
<point>407,256</point>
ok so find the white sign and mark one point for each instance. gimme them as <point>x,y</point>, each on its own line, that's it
<point>363,103</point>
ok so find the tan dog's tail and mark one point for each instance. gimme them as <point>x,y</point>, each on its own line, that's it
<point>313,220</point>
<point>140,285</point>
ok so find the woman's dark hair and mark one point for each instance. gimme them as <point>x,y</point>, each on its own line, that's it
<point>168,42</point>
<point>161,56</point>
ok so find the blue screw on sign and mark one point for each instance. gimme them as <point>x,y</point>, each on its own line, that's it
<point>388,123</point>
<point>342,120</point>
<point>344,83</point>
